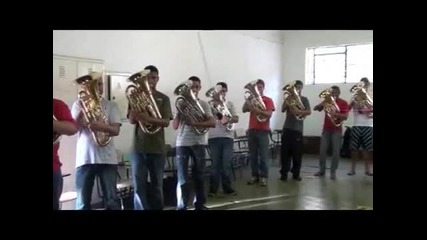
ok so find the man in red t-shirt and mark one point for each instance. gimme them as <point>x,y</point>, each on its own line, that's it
<point>63,125</point>
<point>259,136</point>
<point>332,134</point>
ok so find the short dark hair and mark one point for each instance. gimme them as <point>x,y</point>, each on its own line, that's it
<point>152,69</point>
<point>223,85</point>
<point>336,88</point>
<point>298,82</point>
<point>194,79</point>
<point>260,81</point>
<point>365,80</point>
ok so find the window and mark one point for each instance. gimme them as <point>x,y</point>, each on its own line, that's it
<point>339,64</point>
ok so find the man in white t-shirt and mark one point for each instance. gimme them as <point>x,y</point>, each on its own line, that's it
<point>93,160</point>
<point>362,135</point>
<point>190,144</point>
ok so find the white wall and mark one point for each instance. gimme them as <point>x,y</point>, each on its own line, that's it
<point>235,57</point>
<point>294,45</point>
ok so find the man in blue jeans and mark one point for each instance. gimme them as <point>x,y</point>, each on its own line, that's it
<point>221,146</point>
<point>190,144</point>
<point>149,150</point>
<point>259,136</point>
<point>332,134</point>
<point>93,160</point>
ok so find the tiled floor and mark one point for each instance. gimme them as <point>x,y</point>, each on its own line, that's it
<point>312,193</point>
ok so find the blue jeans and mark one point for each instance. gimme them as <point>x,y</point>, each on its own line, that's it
<point>85,178</point>
<point>57,188</point>
<point>222,154</point>
<point>334,138</point>
<point>258,144</point>
<point>148,197</point>
<point>197,153</point>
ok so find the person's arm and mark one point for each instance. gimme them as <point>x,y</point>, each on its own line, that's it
<point>131,116</point>
<point>246,107</point>
<point>269,105</point>
<point>113,125</point>
<point>77,115</point>
<point>210,120</point>
<point>306,103</point>
<point>285,107</point>
<point>165,111</point>
<point>344,109</point>
<point>318,107</point>
<point>366,110</point>
<point>65,124</point>
<point>175,122</point>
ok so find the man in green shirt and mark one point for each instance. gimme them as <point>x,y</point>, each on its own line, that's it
<point>149,151</point>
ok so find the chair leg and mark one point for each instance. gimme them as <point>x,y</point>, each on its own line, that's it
<point>232,171</point>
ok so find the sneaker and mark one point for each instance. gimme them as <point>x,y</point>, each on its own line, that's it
<point>333,176</point>
<point>211,194</point>
<point>230,193</point>
<point>319,174</point>
<point>351,173</point>
<point>203,207</point>
<point>296,178</point>
<point>263,182</point>
<point>253,180</point>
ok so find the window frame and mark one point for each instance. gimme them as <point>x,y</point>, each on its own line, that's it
<point>313,60</point>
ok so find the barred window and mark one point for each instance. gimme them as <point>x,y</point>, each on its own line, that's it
<point>339,64</point>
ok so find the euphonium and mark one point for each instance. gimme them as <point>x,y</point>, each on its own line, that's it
<point>361,97</point>
<point>56,136</point>
<point>218,105</point>
<point>141,100</point>
<point>292,99</point>
<point>90,103</point>
<point>188,105</point>
<point>254,98</point>
<point>330,106</point>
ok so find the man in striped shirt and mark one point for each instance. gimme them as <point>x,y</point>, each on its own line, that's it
<point>190,144</point>
<point>221,147</point>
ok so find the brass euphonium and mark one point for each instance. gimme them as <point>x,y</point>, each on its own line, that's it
<point>219,106</point>
<point>361,97</point>
<point>292,99</point>
<point>253,97</point>
<point>56,136</point>
<point>330,106</point>
<point>188,105</point>
<point>141,100</point>
<point>90,103</point>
